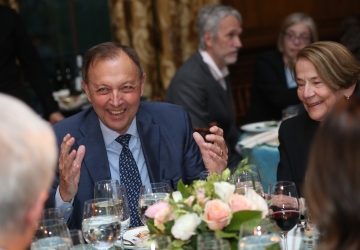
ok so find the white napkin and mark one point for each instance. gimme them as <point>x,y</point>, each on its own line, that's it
<point>259,139</point>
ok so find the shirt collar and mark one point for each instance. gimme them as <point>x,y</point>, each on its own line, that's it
<point>214,69</point>
<point>110,135</point>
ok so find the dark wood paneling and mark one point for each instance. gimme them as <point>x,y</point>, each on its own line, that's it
<point>261,23</point>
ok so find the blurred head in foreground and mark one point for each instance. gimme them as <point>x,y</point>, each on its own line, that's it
<point>333,182</point>
<point>28,155</point>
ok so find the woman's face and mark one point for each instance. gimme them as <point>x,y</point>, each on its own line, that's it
<point>295,38</point>
<point>317,97</point>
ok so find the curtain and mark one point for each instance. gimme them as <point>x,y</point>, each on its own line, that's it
<point>162,32</point>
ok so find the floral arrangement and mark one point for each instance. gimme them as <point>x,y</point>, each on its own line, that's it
<point>204,206</point>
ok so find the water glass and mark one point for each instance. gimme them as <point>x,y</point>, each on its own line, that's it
<point>51,234</point>
<point>209,241</point>
<point>245,181</point>
<point>77,240</point>
<point>259,235</point>
<point>151,195</point>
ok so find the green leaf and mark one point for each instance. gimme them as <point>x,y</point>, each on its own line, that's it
<point>182,188</point>
<point>152,228</point>
<point>225,235</point>
<point>233,244</point>
<point>241,216</point>
<point>168,226</point>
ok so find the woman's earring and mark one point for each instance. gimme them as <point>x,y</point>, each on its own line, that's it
<point>347,97</point>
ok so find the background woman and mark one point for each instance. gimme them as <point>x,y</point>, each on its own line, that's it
<point>325,72</point>
<point>332,183</point>
<point>274,87</point>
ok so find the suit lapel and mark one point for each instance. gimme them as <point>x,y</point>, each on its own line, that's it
<point>149,134</point>
<point>95,159</point>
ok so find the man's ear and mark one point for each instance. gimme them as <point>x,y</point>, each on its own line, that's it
<point>33,215</point>
<point>208,39</point>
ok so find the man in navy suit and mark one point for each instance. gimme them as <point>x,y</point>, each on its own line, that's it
<point>162,141</point>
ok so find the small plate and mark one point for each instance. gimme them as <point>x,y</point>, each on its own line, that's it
<point>259,127</point>
<point>132,235</point>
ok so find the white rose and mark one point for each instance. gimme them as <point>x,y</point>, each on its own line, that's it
<point>224,190</point>
<point>185,226</point>
<point>258,201</point>
<point>177,196</point>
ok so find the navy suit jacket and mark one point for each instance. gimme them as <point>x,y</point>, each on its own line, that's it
<point>194,88</point>
<point>167,142</point>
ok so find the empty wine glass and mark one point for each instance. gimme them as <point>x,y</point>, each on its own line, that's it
<point>284,206</point>
<point>54,213</point>
<point>247,180</point>
<point>51,234</point>
<point>77,240</point>
<point>209,241</point>
<point>150,195</point>
<point>259,234</point>
<point>101,222</point>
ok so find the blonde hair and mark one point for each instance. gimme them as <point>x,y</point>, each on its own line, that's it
<point>293,19</point>
<point>334,63</point>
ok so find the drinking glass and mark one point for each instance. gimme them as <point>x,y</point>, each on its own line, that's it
<point>51,234</point>
<point>209,241</point>
<point>150,195</point>
<point>54,213</point>
<point>101,222</point>
<point>259,234</point>
<point>77,240</point>
<point>283,205</point>
<point>248,180</point>
<point>159,242</point>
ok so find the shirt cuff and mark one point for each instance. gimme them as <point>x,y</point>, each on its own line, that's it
<point>66,207</point>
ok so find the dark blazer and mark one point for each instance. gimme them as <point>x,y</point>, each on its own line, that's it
<point>270,93</point>
<point>15,43</point>
<point>194,88</point>
<point>295,136</point>
<point>167,142</point>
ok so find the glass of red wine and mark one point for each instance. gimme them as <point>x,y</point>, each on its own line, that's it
<point>283,205</point>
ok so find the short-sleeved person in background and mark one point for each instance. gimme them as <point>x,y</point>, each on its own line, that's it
<point>274,87</point>
<point>15,44</point>
<point>201,84</point>
<point>161,141</point>
<point>28,155</point>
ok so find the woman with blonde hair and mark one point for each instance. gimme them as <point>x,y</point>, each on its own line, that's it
<point>274,88</point>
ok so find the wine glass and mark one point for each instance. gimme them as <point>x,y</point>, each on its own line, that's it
<point>209,241</point>
<point>284,206</point>
<point>150,195</point>
<point>259,234</point>
<point>54,213</point>
<point>112,189</point>
<point>247,180</point>
<point>159,242</point>
<point>51,234</point>
<point>101,222</point>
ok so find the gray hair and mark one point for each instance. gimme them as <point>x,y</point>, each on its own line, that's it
<point>209,19</point>
<point>28,155</point>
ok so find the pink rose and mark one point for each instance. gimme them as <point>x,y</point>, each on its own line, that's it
<point>200,196</point>
<point>153,209</point>
<point>189,200</point>
<point>239,202</point>
<point>162,216</point>
<point>217,214</point>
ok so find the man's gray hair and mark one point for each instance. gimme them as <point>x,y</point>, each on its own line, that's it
<point>209,19</point>
<point>28,155</point>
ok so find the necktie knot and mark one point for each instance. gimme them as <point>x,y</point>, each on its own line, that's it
<point>123,140</point>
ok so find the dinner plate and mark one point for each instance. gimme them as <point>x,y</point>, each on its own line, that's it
<point>259,127</point>
<point>132,235</point>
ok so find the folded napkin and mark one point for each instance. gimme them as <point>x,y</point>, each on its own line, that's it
<point>268,136</point>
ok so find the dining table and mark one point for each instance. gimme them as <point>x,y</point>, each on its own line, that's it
<point>264,152</point>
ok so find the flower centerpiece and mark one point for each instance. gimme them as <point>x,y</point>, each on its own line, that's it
<point>204,206</point>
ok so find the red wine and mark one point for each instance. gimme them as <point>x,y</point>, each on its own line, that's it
<point>286,219</point>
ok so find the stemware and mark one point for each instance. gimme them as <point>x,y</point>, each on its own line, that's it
<point>247,180</point>
<point>284,206</point>
<point>51,234</point>
<point>159,242</point>
<point>150,195</point>
<point>54,213</point>
<point>209,241</point>
<point>260,235</point>
<point>101,222</point>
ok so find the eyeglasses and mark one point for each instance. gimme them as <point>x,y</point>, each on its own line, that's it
<point>292,37</point>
